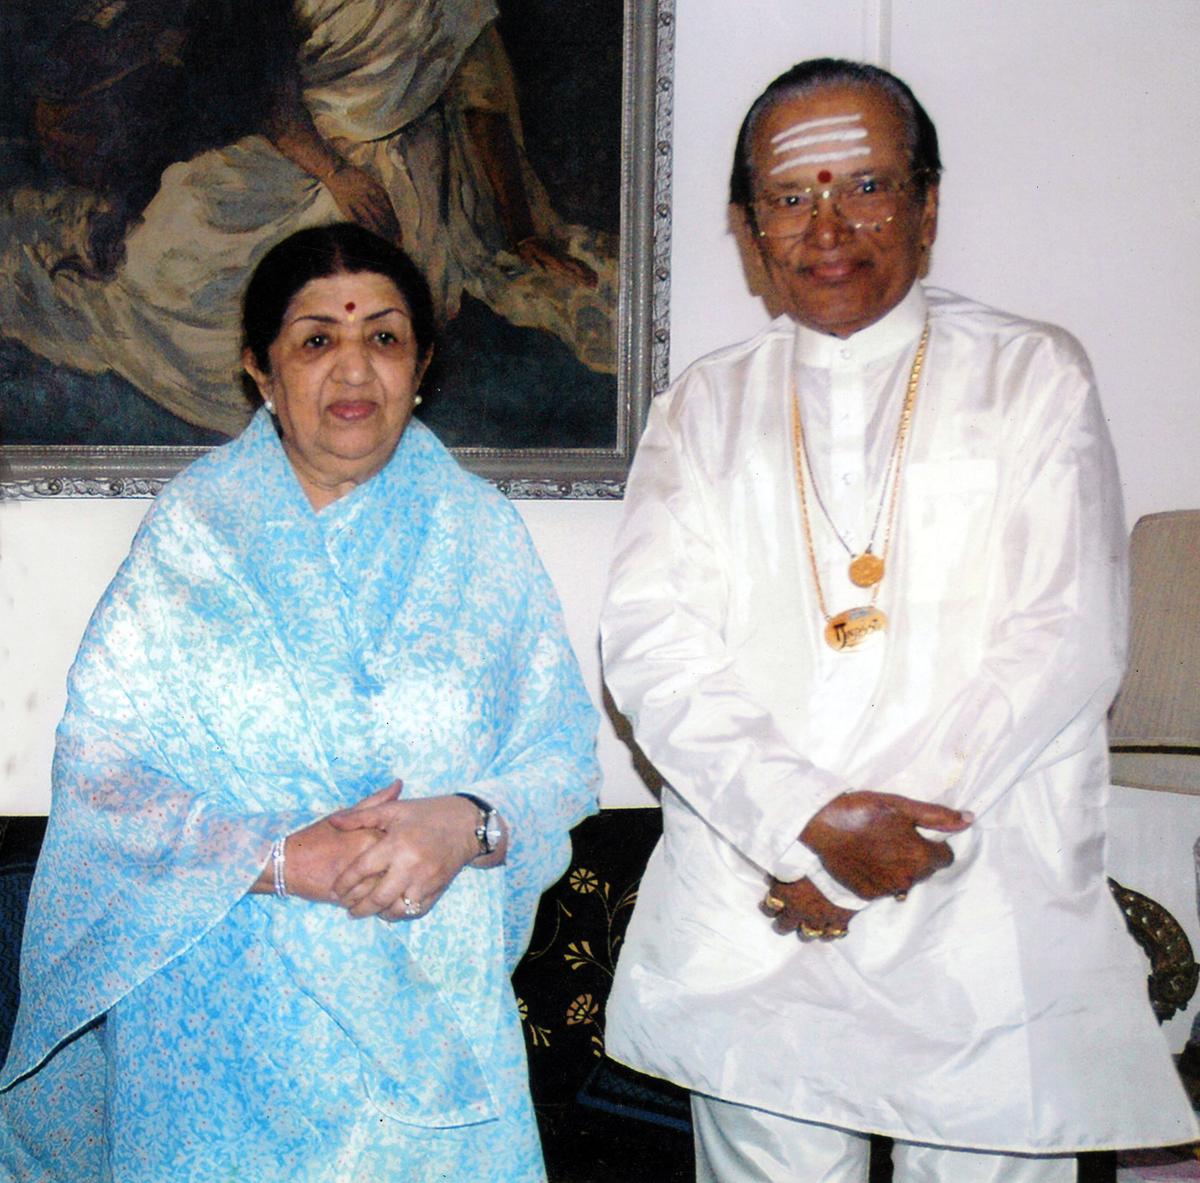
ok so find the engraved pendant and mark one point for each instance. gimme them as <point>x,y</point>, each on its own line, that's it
<point>849,629</point>
<point>866,569</point>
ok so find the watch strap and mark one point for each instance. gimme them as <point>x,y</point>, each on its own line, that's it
<point>486,814</point>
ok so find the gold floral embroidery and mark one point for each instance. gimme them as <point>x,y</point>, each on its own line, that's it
<point>582,924</point>
<point>583,1009</point>
<point>579,955</point>
<point>538,1036</point>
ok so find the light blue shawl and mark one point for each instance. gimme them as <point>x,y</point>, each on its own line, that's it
<point>253,666</point>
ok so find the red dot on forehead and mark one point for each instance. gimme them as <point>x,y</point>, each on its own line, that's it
<point>824,176</point>
<point>351,306</point>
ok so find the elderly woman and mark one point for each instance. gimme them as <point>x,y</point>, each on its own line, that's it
<point>324,741</point>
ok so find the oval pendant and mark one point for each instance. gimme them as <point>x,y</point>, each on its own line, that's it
<point>849,629</point>
<point>866,570</point>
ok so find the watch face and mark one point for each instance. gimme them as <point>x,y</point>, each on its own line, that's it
<point>493,831</point>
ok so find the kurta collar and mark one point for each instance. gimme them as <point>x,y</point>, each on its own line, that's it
<point>897,330</point>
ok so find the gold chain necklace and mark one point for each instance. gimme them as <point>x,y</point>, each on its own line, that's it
<point>866,568</point>
<point>849,629</point>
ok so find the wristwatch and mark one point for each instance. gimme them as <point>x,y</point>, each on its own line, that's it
<point>488,832</point>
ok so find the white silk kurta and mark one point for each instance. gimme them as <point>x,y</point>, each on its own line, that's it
<point>1003,1006</point>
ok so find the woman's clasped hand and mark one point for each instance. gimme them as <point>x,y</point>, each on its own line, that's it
<point>383,856</point>
<point>418,847</point>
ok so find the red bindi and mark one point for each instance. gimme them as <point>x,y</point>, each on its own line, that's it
<point>824,176</point>
<point>351,306</point>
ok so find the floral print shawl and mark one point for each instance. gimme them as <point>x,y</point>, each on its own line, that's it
<point>253,666</point>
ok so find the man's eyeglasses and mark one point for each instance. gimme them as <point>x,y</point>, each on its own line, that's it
<point>868,201</point>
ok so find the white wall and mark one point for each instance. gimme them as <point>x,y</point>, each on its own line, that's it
<point>1072,192</point>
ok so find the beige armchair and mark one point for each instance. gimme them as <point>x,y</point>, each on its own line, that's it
<point>1154,737</point>
<point>1154,729</point>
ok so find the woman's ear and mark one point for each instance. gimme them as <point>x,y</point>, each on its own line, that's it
<point>422,369</point>
<point>261,379</point>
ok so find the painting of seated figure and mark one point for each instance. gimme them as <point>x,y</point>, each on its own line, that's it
<point>153,150</point>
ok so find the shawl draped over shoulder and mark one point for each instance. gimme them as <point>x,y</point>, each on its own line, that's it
<point>254,666</point>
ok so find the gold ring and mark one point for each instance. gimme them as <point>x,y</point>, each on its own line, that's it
<point>411,907</point>
<point>900,896</point>
<point>774,903</point>
<point>834,934</point>
<point>809,933</point>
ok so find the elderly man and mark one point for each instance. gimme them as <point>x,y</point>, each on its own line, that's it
<point>867,615</point>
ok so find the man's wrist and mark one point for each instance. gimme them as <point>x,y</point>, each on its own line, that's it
<point>795,862</point>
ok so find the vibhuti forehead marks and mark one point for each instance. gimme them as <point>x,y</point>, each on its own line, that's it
<point>820,141</point>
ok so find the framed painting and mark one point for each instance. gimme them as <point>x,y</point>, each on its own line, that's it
<point>151,151</point>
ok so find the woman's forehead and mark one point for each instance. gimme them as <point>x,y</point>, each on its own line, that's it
<point>347,296</point>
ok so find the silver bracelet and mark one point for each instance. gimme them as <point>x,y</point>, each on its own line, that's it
<point>278,865</point>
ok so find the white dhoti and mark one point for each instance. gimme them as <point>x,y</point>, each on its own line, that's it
<point>736,1144</point>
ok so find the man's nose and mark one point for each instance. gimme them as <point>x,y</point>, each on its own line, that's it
<point>827,227</point>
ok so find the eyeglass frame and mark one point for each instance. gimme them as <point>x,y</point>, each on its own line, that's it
<point>830,193</point>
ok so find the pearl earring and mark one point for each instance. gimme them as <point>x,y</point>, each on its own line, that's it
<point>418,401</point>
<point>269,405</point>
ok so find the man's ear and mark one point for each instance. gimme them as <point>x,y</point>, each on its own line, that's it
<point>929,224</point>
<point>749,244</point>
<point>752,251</point>
<point>929,217</point>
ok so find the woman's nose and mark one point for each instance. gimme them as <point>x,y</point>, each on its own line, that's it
<point>353,365</point>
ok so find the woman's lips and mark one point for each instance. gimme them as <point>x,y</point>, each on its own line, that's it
<point>351,411</point>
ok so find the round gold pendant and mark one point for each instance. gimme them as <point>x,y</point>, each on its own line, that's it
<point>849,629</point>
<point>866,570</point>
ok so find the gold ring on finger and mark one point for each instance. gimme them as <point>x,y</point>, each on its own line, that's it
<point>411,907</point>
<point>809,933</point>
<point>774,904</point>
<point>900,896</point>
<point>834,934</point>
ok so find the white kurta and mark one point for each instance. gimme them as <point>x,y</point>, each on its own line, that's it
<point>1003,1006</point>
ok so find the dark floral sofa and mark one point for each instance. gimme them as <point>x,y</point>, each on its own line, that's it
<point>600,1121</point>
